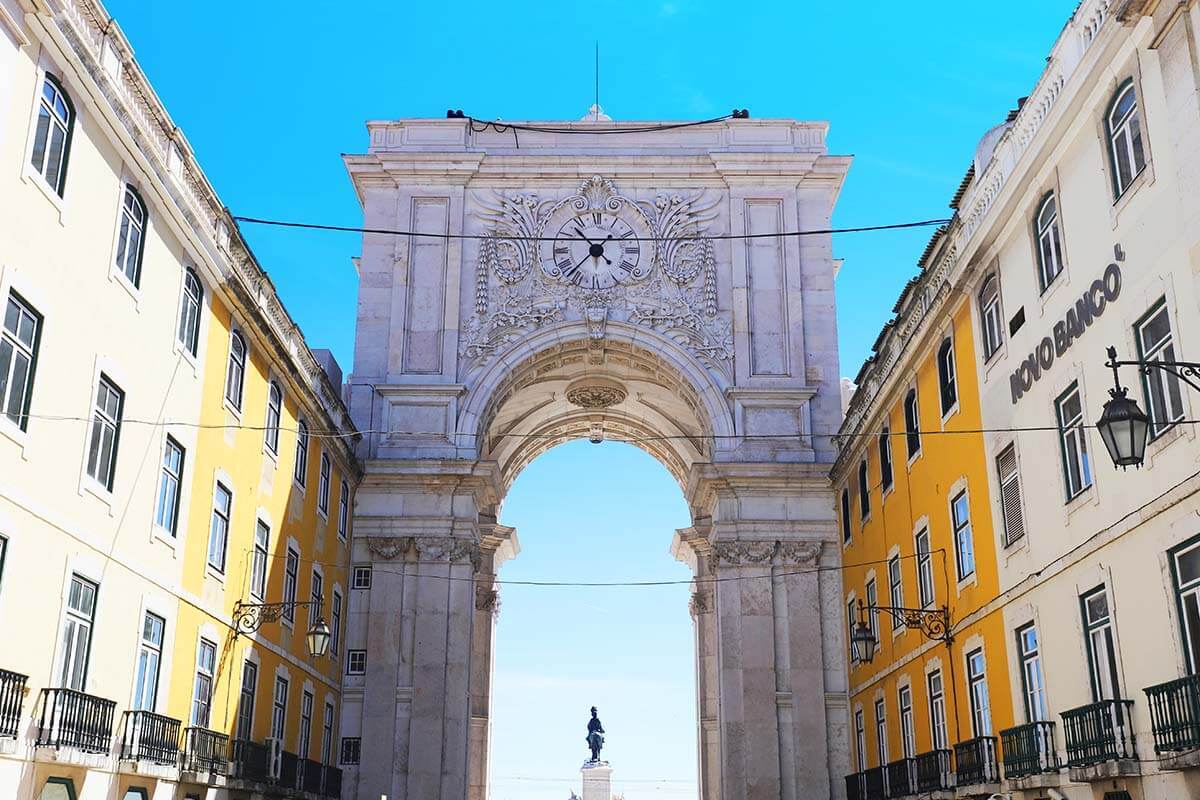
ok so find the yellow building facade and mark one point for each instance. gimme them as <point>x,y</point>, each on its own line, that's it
<point>912,484</point>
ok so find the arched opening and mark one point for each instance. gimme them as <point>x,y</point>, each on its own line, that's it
<point>594,513</point>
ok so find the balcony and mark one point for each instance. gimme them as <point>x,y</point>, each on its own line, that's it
<point>902,777</point>
<point>312,776</point>
<point>1029,750</point>
<point>71,719</point>
<point>333,783</point>
<point>875,784</point>
<point>12,693</point>
<point>1175,721</point>
<point>251,761</point>
<point>1100,742</point>
<point>289,771</point>
<point>856,786</point>
<point>204,751</point>
<point>150,737</point>
<point>933,771</point>
<point>976,761</point>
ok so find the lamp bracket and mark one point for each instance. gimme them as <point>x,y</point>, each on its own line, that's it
<point>934,623</point>
<point>249,617</point>
<point>1186,371</point>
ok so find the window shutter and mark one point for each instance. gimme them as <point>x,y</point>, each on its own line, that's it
<point>1010,495</point>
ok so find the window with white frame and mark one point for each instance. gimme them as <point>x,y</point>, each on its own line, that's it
<point>218,532</point>
<point>912,424</point>
<point>300,472</point>
<point>170,483</point>
<point>881,743</point>
<point>864,491</point>
<point>908,736</point>
<point>1101,645</point>
<point>274,414</point>
<point>78,619</point>
<point>1185,570</point>
<point>245,710</point>
<point>977,693</point>
<point>145,682</point>
<point>947,377</point>
<point>1033,683</point>
<point>106,433</point>
<point>1010,495</point>
<point>327,735</point>
<point>206,666</point>
<point>1077,468</point>
<point>1164,398</point>
<point>52,134</point>
<point>279,707</point>
<point>872,600</point>
<point>189,311</point>
<point>924,569</point>
<point>316,597</point>
<point>306,711</point>
<point>361,578</point>
<point>895,585</point>
<point>131,236</point>
<point>3,556</point>
<point>335,622</point>
<point>885,460</point>
<point>343,510</point>
<point>258,563</point>
<point>964,545</point>
<point>937,710</point>
<point>850,617</point>
<point>845,516</point>
<point>356,662</point>
<point>860,740</point>
<point>1049,241</point>
<point>1124,123</point>
<point>235,371</point>
<point>323,486</point>
<point>19,341</point>
<point>291,575</point>
<point>990,316</point>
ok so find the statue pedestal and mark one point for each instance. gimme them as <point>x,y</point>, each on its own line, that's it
<point>597,780</point>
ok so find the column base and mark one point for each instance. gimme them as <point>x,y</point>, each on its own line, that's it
<point>597,780</point>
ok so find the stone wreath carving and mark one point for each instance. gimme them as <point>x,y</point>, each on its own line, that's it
<point>595,393</point>
<point>448,549</point>
<point>673,290</point>
<point>388,547</point>
<point>799,553</point>
<point>738,554</point>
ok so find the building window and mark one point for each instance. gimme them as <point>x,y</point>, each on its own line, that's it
<point>77,633</point>
<point>937,710</point>
<point>258,564</point>
<point>1101,645</point>
<point>860,740</point>
<point>335,622</point>
<point>1049,241</point>
<point>19,341</point>
<point>351,750</point>
<point>850,617</point>
<point>977,691</point>
<point>1125,138</point>
<point>1032,682</point>
<point>1077,470</point>
<point>343,510</point>
<point>106,433</point>
<point>316,597</point>
<point>145,684</point>
<point>206,664</point>
<point>170,481</point>
<point>924,569</point>
<point>189,311</point>
<point>3,555</point>
<point>52,136</point>
<point>218,534</point>
<point>245,710</point>
<point>1010,495</point>
<point>274,413</point>
<point>864,491</point>
<point>885,460</point>
<point>964,546</point>
<point>991,317</point>
<point>323,486</point>
<point>881,743</point>
<point>327,735</point>
<point>356,662</point>
<point>1185,568</point>
<point>1164,400</point>
<point>58,789</point>
<point>912,424</point>
<point>361,578</point>
<point>235,372</point>
<point>301,470</point>
<point>845,516</point>
<point>895,586</point>
<point>291,575</point>
<point>279,708</point>
<point>908,737</point>
<point>871,595</point>
<point>947,382</point>
<point>306,709</point>
<point>131,236</point>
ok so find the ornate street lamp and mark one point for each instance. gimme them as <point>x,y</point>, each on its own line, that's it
<point>1123,426</point>
<point>249,617</point>
<point>934,623</point>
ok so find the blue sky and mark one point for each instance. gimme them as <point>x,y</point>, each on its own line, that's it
<point>269,100</point>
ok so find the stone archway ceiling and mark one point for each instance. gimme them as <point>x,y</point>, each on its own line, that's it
<point>581,388</point>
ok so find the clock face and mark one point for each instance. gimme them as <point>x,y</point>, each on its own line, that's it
<point>598,250</point>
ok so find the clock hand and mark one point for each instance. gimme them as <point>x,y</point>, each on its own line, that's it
<point>581,236</point>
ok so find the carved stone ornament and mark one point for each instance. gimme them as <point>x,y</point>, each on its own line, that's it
<point>595,392</point>
<point>448,549</point>
<point>739,554</point>
<point>701,602</point>
<point>388,547</point>
<point>487,600</point>
<point>521,285</point>
<point>799,553</point>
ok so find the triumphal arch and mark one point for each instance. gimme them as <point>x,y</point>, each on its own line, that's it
<point>597,280</point>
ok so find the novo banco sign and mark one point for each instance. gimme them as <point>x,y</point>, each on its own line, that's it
<point>1090,305</point>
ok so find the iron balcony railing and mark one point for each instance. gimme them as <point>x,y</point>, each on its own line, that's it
<point>902,777</point>
<point>251,761</point>
<point>289,770</point>
<point>74,719</point>
<point>1029,749</point>
<point>12,693</point>
<point>933,771</point>
<point>856,786</point>
<point>876,784</point>
<point>150,737</point>
<point>312,775</point>
<point>333,783</point>
<point>1099,732</point>
<point>205,751</point>
<point>975,760</point>
<point>1175,714</point>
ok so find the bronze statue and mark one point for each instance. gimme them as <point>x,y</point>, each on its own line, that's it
<point>595,736</point>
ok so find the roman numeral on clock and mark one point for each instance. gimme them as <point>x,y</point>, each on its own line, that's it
<point>631,249</point>
<point>625,265</point>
